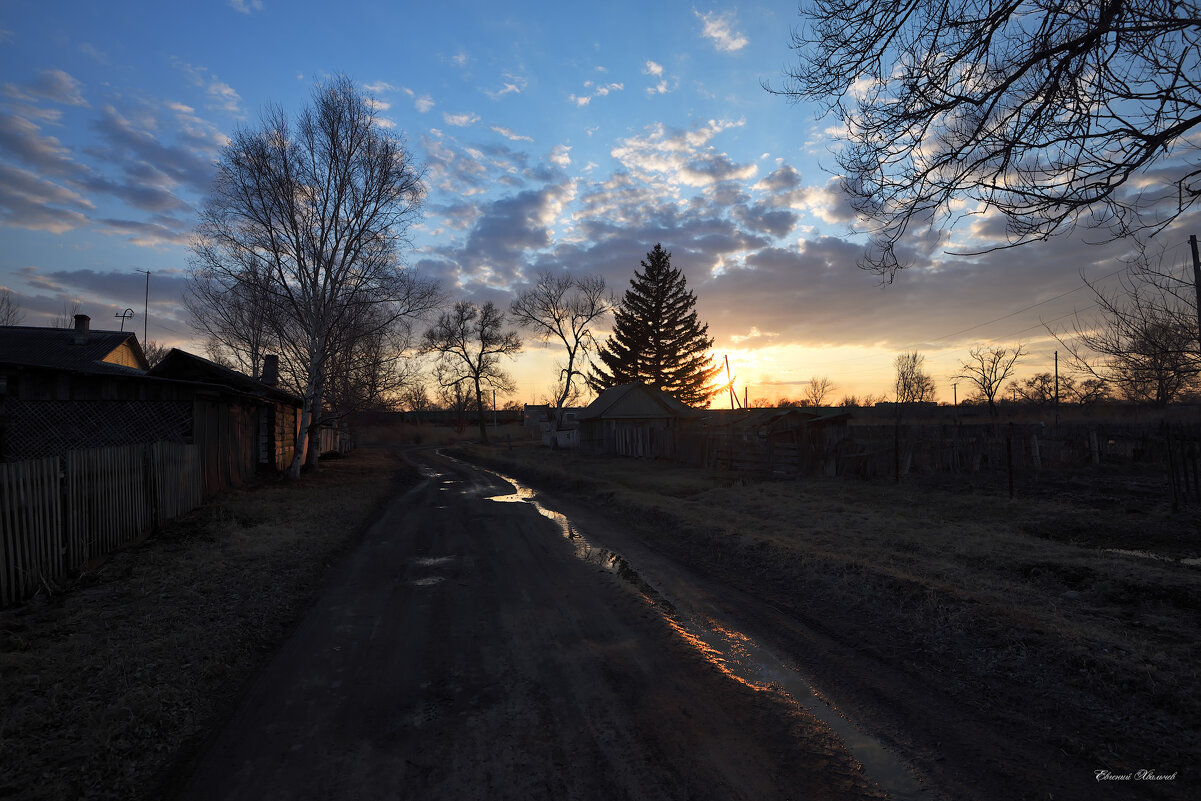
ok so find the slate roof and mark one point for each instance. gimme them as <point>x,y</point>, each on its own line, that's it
<point>55,348</point>
<point>608,402</point>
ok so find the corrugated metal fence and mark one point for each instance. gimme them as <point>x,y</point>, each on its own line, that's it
<point>57,513</point>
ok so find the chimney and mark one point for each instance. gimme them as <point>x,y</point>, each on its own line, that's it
<point>82,323</point>
<point>270,375</point>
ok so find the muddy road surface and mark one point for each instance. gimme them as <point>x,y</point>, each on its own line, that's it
<point>466,650</point>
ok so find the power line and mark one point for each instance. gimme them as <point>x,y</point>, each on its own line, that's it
<point>1024,309</point>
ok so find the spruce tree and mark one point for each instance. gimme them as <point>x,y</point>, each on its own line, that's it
<point>657,338</point>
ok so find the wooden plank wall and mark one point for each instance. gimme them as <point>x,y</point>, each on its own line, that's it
<point>58,513</point>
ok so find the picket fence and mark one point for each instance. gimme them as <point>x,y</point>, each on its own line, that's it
<point>57,513</point>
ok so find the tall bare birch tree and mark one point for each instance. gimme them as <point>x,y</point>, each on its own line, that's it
<point>321,209</point>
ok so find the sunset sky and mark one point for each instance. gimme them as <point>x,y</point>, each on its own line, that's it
<point>553,138</point>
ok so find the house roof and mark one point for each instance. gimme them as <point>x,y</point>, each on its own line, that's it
<point>183,366</point>
<point>637,401</point>
<point>68,349</point>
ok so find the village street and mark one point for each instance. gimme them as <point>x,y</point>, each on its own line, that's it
<point>463,650</point>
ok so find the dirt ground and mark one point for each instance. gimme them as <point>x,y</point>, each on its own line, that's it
<point>106,684</point>
<point>463,651</point>
<point>1002,647</point>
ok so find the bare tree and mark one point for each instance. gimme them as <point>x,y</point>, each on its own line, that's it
<point>10,310</point>
<point>470,341</point>
<point>913,384</point>
<point>817,389</point>
<point>1051,112</point>
<point>562,307</point>
<point>1039,389</point>
<point>1142,342</point>
<point>416,398</point>
<point>66,317</point>
<point>232,307</point>
<point>988,369</point>
<point>321,208</point>
<point>154,352</point>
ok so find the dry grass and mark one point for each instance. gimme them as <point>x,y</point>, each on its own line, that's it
<point>106,685</point>
<point>995,600</point>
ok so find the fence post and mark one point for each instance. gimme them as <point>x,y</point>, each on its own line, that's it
<point>1172,478</point>
<point>1009,457</point>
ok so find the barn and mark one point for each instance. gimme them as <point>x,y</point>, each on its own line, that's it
<point>638,420</point>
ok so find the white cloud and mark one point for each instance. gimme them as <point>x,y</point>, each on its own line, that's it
<point>683,157</point>
<point>222,96</point>
<point>423,103</point>
<point>54,85</point>
<point>245,6</point>
<point>380,87</point>
<point>510,84</point>
<point>511,135</point>
<point>720,29</point>
<point>598,90</point>
<point>560,155</point>
<point>461,120</point>
<point>662,86</point>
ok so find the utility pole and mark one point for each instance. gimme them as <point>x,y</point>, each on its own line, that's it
<point>955,393</point>
<point>145,306</point>
<point>1192,240</point>
<point>1057,388</point>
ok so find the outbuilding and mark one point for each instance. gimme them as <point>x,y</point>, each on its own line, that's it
<point>639,420</point>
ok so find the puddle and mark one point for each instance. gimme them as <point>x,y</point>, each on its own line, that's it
<point>1190,562</point>
<point>430,561</point>
<point>738,656</point>
<point>428,581</point>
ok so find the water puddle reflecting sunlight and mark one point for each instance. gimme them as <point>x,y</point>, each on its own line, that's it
<point>737,655</point>
<point>1187,562</point>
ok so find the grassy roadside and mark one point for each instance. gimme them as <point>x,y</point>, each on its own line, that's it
<point>1005,606</point>
<point>104,686</point>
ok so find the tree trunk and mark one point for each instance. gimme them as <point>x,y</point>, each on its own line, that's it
<point>314,457</point>
<point>302,438</point>
<point>479,407</point>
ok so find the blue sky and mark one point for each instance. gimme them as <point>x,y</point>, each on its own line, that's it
<point>553,137</point>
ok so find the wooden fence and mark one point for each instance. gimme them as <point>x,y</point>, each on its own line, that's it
<point>58,513</point>
<point>882,452</point>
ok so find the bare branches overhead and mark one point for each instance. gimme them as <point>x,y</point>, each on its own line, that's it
<point>1051,112</point>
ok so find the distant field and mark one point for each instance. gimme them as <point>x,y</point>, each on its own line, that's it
<point>1024,605</point>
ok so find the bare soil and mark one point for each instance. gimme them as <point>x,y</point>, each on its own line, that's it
<point>1003,647</point>
<point>105,685</point>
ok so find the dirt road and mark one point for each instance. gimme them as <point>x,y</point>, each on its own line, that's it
<point>464,650</point>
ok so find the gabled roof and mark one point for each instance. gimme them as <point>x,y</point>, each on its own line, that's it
<point>68,349</point>
<point>637,401</point>
<point>183,366</point>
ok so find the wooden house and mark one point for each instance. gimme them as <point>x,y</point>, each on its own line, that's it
<point>245,424</point>
<point>73,389</point>
<point>638,420</point>
<point>64,389</point>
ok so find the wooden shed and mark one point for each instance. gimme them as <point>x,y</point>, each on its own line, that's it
<point>244,423</point>
<point>638,420</point>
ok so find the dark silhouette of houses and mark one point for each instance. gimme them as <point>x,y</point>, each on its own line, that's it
<point>243,424</point>
<point>638,420</point>
<point>66,389</point>
<point>76,389</point>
